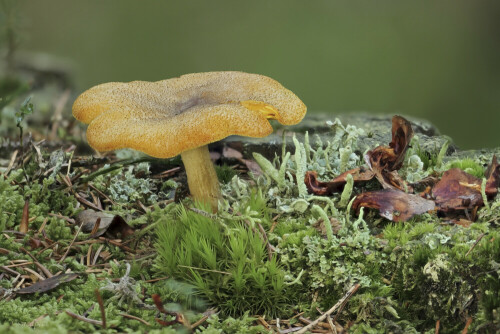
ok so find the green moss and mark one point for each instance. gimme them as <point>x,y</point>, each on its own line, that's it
<point>243,325</point>
<point>225,173</point>
<point>469,166</point>
<point>226,260</point>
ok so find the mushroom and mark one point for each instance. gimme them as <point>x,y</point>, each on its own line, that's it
<point>182,115</point>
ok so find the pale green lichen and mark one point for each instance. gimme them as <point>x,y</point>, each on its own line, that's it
<point>347,192</point>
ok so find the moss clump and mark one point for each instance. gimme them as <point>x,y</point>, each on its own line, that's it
<point>243,325</point>
<point>225,259</point>
<point>225,173</point>
<point>469,166</point>
<point>11,203</point>
<point>436,278</point>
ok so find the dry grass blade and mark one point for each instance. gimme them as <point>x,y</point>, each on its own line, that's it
<point>135,318</point>
<point>23,228</point>
<point>467,324</point>
<point>81,318</point>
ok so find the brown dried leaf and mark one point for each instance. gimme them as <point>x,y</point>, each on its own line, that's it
<point>457,190</point>
<point>392,157</point>
<point>48,284</point>
<point>394,205</point>
<point>385,161</point>
<point>493,178</point>
<point>35,243</point>
<point>317,187</point>
<point>114,226</point>
<point>23,227</point>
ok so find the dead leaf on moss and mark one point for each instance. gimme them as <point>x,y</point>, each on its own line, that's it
<point>385,161</point>
<point>394,205</point>
<point>493,178</point>
<point>48,284</point>
<point>114,226</point>
<point>392,157</point>
<point>314,186</point>
<point>457,190</point>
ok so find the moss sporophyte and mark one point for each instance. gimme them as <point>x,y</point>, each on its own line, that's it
<point>284,247</point>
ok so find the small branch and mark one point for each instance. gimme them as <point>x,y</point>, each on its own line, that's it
<point>340,304</point>
<point>125,315</point>
<point>475,243</point>
<point>101,307</point>
<point>467,324</point>
<point>199,322</point>
<point>71,244</point>
<point>79,317</point>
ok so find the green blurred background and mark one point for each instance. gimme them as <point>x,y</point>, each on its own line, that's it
<point>437,60</point>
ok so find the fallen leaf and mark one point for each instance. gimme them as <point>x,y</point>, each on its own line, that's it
<point>392,157</point>
<point>385,161</point>
<point>457,190</point>
<point>48,284</point>
<point>35,243</point>
<point>392,204</point>
<point>314,186</point>
<point>114,226</point>
<point>493,178</point>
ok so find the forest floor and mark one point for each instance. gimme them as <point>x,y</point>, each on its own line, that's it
<point>305,239</point>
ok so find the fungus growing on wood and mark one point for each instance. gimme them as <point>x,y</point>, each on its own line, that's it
<point>182,115</point>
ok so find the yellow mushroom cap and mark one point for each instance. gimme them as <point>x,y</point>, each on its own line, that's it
<point>167,117</point>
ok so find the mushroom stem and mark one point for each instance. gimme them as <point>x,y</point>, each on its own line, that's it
<point>202,179</point>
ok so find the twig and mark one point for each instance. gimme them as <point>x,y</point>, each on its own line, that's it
<point>71,244</point>
<point>69,220</point>
<point>79,317</point>
<point>38,264</point>
<point>467,324</point>
<point>269,247</point>
<point>101,307</point>
<point>10,271</point>
<point>157,279</point>
<point>339,304</point>
<point>135,318</point>
<point>199,322</point>
<point>475,243</point>
<point>31,271</point>
<point>438,324</point>
<point>23,227</point>
<point>11,162</point>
